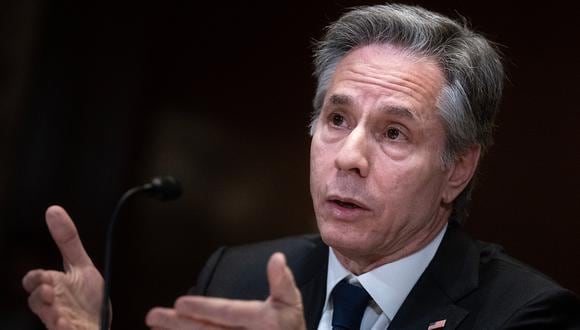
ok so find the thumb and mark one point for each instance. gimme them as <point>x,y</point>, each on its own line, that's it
<point>65,235</point>
<point>282,285</point>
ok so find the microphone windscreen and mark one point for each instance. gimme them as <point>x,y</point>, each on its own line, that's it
<point>164,188</point>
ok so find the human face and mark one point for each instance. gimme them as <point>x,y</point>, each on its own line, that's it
<point>376,174</point>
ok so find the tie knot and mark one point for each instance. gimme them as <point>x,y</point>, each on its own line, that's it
<point>350,302</point>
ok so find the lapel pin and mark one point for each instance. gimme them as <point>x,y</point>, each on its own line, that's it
<point>437,325</point>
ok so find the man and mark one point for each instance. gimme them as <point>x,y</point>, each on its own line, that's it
<point>403,113</point>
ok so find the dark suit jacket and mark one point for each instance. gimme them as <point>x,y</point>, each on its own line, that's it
<point>470,284</point>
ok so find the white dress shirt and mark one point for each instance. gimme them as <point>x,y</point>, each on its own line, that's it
<point>388,285</point>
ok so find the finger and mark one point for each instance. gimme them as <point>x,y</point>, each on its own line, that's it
<point>40,302</point>
<point>208,326</point>
<point>63,324</point>
<point>43,294</point>
<point>199,326</point>
<point>64,233</point>
<point>223,312</point>
<point>282,285</point>
<point>36,277</point>
<point>167,318</point>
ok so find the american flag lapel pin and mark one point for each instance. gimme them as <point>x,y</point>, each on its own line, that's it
<point>437,325</point>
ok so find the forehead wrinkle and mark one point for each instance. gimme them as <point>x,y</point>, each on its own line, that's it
<point>393,110</point>
<point>430,86</point>
<point>421,71</point>
<point>404,82</point>
<point>402,108</point>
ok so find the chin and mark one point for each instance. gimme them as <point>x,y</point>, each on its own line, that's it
<point>347,241</point>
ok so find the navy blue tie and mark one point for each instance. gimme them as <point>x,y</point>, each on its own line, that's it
<point>350,302</point>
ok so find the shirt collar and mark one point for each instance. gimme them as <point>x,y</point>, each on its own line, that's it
<point>388,284</point>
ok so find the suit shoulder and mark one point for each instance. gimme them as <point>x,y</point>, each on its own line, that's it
<point>239,272</point>
<point>500,269</point>
<point>514,293</point>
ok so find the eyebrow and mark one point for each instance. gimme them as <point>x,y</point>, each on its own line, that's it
<point>340,99</point>
<point>345,100</point>
<point>399,112</point>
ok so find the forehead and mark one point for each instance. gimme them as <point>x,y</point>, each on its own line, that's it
<point>387,73</point>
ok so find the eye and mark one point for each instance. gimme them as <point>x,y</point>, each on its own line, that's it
<point>337,119</point>
<point>393,133</point>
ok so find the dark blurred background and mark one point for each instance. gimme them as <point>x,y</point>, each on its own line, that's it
<point>97,97</point>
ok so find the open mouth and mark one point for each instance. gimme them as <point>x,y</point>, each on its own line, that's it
<point>346,204</point>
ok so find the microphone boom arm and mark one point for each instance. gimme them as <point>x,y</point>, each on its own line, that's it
<point>162,188</point>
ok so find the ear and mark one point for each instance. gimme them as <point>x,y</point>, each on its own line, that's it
<point>461,172</point>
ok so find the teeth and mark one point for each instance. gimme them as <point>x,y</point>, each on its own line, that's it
<point>346,204</point>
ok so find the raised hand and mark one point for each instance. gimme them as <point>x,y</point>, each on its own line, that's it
<point>68,300</point>
<point>282,310</point>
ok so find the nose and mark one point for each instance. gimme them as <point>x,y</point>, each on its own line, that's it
<point>352,156</point>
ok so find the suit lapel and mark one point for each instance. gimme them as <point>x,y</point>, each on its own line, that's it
<point>312,283</point>
<point>452,274</point>
<point>427,304</point>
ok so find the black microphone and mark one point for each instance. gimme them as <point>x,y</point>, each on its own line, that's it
<point>163,188</point>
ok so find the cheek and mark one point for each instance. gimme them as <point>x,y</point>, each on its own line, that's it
<point>316,166</point>
<point>320,159</point>
<point>404,186</point>
<point>322,170</point>
<point>390,180</point>
<point>417,191</point>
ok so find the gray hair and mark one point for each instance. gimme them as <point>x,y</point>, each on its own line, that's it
<point>474,75</point>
